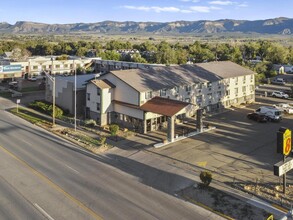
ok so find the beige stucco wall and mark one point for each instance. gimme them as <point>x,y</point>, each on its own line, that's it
<point>136,113</point>
<point>123,92</point>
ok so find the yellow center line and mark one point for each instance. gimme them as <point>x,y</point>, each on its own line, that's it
<point>54,185</point>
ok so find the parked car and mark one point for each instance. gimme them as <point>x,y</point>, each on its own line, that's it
<point>279,94</point>
<point>257,117</point>
<point>32,78</point>
<point>284,107</point>
<point>278,81</point>
<point>272,113</point>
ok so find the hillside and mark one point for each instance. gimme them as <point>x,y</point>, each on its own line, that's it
<point>282,26</point>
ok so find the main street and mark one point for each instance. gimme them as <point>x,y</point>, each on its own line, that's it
<point>50,177</point>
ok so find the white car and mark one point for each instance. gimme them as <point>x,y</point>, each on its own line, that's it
<point>286,108</point>
<point>279,94</point>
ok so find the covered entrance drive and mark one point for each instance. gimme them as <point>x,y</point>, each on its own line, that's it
<point>161,112</point>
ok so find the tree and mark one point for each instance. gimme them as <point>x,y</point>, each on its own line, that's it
<point>114,129</point>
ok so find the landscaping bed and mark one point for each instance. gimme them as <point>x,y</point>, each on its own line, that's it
<point>222,203</point>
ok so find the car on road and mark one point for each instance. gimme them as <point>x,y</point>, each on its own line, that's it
<point>279,94</point>
<point>32,78</point>
<point>257,117</point>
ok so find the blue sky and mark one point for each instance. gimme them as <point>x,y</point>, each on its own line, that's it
<point>90,11</point>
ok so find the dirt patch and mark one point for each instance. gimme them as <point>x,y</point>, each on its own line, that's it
<point>222,203</point>
<point>95,145</point>
<point>271,192</point>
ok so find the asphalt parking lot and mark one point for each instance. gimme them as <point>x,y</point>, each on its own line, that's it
<point>238,149</point>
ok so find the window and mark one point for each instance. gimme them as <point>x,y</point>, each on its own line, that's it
<point>200,86</point>
<point>188,88</point>
<point>187,100</point>
<point>209,85</point>
<point>236,91</point>
<point>163,92</point>
<point>98,106</point>
<point>244,89</point>
<point>227,92</point>
<point>148,95</point>
<point>251,87</point>
<point>198,99</point>
<point>35,67</point>
<point>209,95</point>
<point>219,93</point>
<point>236,81</point>
<point>176,89</point>
<point>244,79</point>
<point>57,66</point>
<point>88,95</point>
<point>98,91</point>
<point>251,78</point>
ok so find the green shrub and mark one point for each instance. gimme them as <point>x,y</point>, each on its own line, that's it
<point>102,140</point>
<point>206,177</point>
<point>114,129</point>
<point>90,123</point>
<point>46,108</point>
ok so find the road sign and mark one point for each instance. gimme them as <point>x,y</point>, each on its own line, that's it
<point>17,101</point>
<point>283,167</point>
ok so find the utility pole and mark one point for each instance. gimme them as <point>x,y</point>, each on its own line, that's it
<point>74,69</point>
<point>54,91</point>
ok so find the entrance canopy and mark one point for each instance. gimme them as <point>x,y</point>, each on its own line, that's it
<point>163,106</point>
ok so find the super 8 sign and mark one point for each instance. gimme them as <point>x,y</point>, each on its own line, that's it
<point>284,141</point>
<point>287,147</point>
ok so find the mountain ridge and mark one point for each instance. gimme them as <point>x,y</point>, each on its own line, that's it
<point>281,25</point>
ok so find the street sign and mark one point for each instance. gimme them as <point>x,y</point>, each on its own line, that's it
<point>283,167</point>
<point>17,101</point>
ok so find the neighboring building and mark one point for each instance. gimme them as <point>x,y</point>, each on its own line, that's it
<point>64,92</point>
<point>35,65</point>
<point>8,71</point>
<point>105,66</point>
<point>147,99</point>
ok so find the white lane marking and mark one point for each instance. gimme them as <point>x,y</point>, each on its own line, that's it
<point>71,168</point>
<point>27,142</point>
<point>43,211</point>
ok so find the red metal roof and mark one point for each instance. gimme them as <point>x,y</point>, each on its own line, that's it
<point>163,106</point>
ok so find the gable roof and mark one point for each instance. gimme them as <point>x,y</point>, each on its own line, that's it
<point>167,77</point>
<point>103,83</point>
<point>156,78</point>
<point>222,69</point>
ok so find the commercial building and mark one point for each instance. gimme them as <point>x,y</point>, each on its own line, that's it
<point>150,98</point>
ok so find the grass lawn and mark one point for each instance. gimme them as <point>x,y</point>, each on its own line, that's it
<point>30,116</point>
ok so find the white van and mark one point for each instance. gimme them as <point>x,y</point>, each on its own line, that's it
<point>272,113</point>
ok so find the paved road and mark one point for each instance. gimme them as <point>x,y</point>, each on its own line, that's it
<point>64,182</point>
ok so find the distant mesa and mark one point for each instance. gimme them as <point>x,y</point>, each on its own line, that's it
<point>282,26</point>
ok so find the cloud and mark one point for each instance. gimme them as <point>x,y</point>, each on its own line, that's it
<point>244,4</point>
<point>154,8</point>
<point>222,3</point>
<point>203,9</point>
<point>191,9</point>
